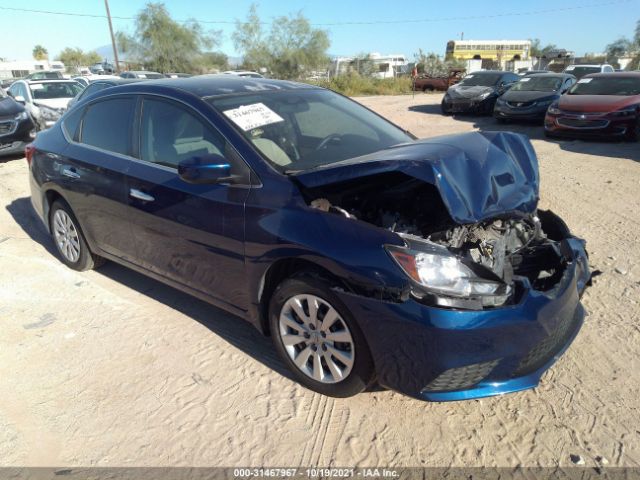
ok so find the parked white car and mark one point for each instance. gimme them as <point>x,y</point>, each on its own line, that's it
<point>45,100</point>
<point>580,71</point>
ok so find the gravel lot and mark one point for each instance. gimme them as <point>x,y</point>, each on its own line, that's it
<point>109,368</point>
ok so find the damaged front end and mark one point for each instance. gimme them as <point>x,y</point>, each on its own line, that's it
<point>472,236</point>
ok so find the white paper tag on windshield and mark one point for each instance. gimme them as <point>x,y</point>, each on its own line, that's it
<point>525,79</point>
<point>468,76</point>
<point>585,80</point>
<point>36,86</point>
<point>248,117</point>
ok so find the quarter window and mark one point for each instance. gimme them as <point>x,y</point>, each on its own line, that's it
<point>107,125</point>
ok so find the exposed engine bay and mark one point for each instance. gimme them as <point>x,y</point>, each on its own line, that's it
<point>501,248</point>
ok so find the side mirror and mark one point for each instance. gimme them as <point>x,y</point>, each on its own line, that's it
<point>205,169</point>
<point>20,99</point>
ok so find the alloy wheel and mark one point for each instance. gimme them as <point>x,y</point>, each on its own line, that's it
<point>316,338</point>
<point>66,236</point>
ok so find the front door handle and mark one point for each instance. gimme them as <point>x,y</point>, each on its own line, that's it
<point>145,197</point>
<point>70,172</point>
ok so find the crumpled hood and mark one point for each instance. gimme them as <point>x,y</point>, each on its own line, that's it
<point>479,175</point>
<point>55,103</point>
<point>9,107</point>
<point>460,91</point>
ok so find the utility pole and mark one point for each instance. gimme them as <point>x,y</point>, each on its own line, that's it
<point>113,38</point>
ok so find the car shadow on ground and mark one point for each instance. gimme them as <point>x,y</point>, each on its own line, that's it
<point>535,131</point>
<point>234,330</point>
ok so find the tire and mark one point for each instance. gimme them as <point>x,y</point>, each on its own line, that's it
<point>69,240</point>
<point>344,365</point>
<point>443,108</point>
<point>634,135</point>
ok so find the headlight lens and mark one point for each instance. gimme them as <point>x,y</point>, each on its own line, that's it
<point>625,112</point>
<point>440,272</point>
<point>484,95</point>
<point>21,116</point>
<point>553,109</point>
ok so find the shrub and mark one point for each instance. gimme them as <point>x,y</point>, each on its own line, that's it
<point>353,84</point>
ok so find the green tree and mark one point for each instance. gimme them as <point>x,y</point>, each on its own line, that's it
<point>40,53</point>
<point>291,49</point>
<point>75,57</point>
<point>618,49</point>
<point>162,44</point>
<point>538,51</point>
<point>431,64</point>
<point>211,62</point>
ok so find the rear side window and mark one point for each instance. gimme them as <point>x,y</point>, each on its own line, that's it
<point>72,122</point>
<point>93,88</point>
<point>108,124</point>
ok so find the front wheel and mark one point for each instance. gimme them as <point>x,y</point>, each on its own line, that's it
<point>444,109</point>
<point>316,336</point>
<point>634,133</point>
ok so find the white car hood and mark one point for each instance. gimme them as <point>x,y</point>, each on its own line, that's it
<point>56,103</point>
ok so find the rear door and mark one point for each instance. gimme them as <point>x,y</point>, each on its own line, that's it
<point>190,234</point>
<point>92,171</point>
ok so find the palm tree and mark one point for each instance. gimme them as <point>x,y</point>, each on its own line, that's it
<point>40,53</point>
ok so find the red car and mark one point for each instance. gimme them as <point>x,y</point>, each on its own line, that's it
<point>599,105</point>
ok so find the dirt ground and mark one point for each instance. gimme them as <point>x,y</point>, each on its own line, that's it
<point>109,368</point>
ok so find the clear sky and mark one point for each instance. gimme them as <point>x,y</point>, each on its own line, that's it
<point>587,29</point>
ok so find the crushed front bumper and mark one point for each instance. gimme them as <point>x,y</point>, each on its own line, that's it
<point>450,354</point>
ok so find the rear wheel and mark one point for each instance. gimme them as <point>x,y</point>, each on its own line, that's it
<point>69,240</point>
<point>316,336</point>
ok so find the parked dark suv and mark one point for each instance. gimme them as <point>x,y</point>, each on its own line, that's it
<point>16,126</point>
<point>367,255</point>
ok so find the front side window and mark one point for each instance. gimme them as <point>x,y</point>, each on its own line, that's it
<point>107,125</point>
<point>307,128</point>
<point>170,134</point>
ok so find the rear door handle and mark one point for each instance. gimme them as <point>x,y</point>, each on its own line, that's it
<point>145,197</point>
<point>70,172</point>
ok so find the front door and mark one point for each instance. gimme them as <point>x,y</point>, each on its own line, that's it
<point>191,234</point>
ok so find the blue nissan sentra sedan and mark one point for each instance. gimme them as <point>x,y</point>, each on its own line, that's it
<point>368,256</point>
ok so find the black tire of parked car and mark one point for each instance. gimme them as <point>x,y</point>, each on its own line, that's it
<point>634,134</point>
<point>86,259</point>
<point>362,374</point>
<point>443,108</point>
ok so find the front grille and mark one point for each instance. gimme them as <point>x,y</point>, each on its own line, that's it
<point>547,348</point>
<point>7,127</point>
<point>520,104</point>
<point>582,122</point>
<point>459,378</point>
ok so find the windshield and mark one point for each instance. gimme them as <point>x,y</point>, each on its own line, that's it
<point>607,86</point>
<point>47,91</point>
<point>480,80</point>
<point>537,84</point>
<point>303,129</point>
<point>582,71</point>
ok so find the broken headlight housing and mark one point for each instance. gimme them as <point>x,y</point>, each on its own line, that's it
<point>446,279</point>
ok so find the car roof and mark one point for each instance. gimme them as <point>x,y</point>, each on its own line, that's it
<point>487,72</point>
<point>613,75</point>
<point>597,65</point>
<point>117,80</point>
<point>205,86</point>
<point>50,80</point>
<point>141,71</point>
<point>551,74</point>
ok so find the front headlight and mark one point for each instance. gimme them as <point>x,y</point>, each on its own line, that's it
<point>553,109</point>
<point>21,116</point>
<point>484,95</point>
<point>625,112</point>
<point>444,274</point>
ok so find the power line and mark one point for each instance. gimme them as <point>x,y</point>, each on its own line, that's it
<point>347,23</point>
